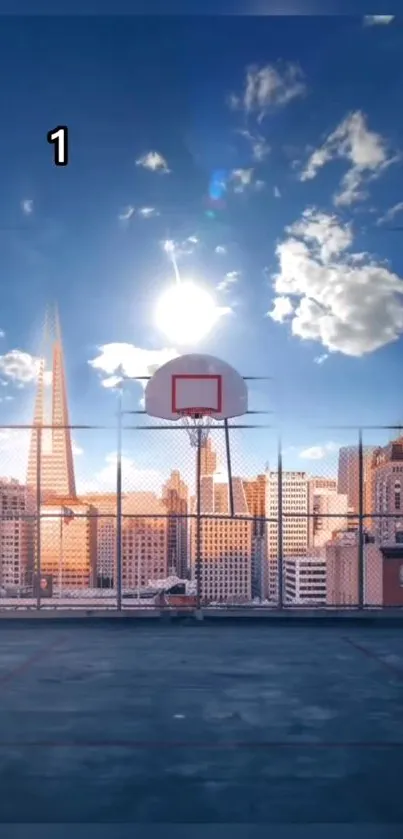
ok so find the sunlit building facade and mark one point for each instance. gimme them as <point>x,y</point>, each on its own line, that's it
<point>175,496</point>
<point>144,540</point>
<point>16,535</point>
<point>225,544</point>
<point>68,544</point>
<point>295,523</point>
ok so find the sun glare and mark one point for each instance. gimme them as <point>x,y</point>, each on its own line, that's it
<point>186,313</point>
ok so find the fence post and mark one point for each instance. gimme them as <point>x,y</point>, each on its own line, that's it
<point>361,511</point>
<point>119,506</point>
<point>280,524</point>
<point>37,575</point>
<point>198,519</point>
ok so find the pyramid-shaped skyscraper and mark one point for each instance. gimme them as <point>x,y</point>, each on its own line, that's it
<point>51,409</point>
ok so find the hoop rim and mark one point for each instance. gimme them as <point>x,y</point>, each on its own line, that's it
<point>196,412</point>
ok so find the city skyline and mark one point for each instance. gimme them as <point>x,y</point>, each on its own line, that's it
<point>238,557</point>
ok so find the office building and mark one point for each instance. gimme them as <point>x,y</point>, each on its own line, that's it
<point>16,535</point>
<point>295,522</point>
<point>305,580</point>
<point>328,511</point>
<point>175,496</point>
<point>144,540</point>
<point>225,544</point>
<point>68,539</point>
<point>348,478</point>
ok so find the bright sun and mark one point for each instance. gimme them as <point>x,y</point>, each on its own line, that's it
<point>186,313</point>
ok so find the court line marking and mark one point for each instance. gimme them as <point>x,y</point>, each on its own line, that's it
<point>189,744</point>
<point>397,671</point>
<point>38,655</point>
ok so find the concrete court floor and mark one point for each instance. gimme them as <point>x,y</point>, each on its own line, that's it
<point>112,725</point>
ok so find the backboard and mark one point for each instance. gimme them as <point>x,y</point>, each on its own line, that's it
<point>196,384</point>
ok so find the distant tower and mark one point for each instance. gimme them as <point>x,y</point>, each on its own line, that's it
<point>57,468</point>
<point>208,460</point>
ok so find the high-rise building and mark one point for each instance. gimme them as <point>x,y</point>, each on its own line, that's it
<point>51,409</point>
<point>208,459</point>
<point>225,543</point>
<point>348,477</point>
<point>144,540</point>
<point>342,571</point>
<point>328,510</point>
<point>387,487</point>
<point>295,522</point>
<point>305,580</point>
<point>105,505</point>
<point>16,533</point>
<point>256,493</point>
<point>175,495</point>
<point>69,544</point>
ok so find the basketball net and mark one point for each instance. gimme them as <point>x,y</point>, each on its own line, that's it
<point>197,425</point>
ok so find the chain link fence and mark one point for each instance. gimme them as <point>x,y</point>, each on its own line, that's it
<point>126,517</point>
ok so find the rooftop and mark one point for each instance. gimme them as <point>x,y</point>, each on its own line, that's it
<point>179,724</point>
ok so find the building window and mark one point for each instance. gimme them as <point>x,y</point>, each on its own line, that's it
<point>397,495</point>
<point>401,576</point>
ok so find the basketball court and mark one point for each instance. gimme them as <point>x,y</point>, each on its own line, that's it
<point>195,729</point>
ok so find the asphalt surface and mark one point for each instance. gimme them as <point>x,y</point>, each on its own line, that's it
<point>200,730</point>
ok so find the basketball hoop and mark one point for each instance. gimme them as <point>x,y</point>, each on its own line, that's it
<point>197,422</point>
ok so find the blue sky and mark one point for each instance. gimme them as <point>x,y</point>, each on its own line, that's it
<point>299,118</point>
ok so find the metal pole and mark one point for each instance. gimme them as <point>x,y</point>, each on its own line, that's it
<point>119,507</point>
<point>198,518</point>
<point>229,470</point>
<point>361,569</point>
<point>38,516</point>
<point>280,524</point>
<point>61,553</point>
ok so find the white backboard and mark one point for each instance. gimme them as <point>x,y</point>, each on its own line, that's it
<point>196,381</point>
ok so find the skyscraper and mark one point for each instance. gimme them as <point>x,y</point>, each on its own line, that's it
<point>51,409</point>
<point>208,459</point>
<point>348,476</point>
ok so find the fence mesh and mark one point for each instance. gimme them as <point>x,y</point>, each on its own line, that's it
<point>319,524</point>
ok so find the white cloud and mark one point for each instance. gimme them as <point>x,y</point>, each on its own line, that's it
<point>2,333</point>
<point>282,308</point>
<point>324,231</point>
<point>348,306</point>
<point>154,161</point>
<point>276,192</point>
<point>318,452</point>
<point>267,87</point>
<point>259,185</point>
<point>391,213</point>
<point>259,146</point>
<point>27,206</point>
<point>364,149</point>
<point>320,359</point>
<point>148,212</point>
<point>77,450</point>
<point>242,178</point>
<point>18,366</point>
<point>121,359</point>
<point>180,249</point>
<point>220,249</point>
<point>126,213</point>
<point>134,479</point>
<point>230,278</point>
<point>378,20</point>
